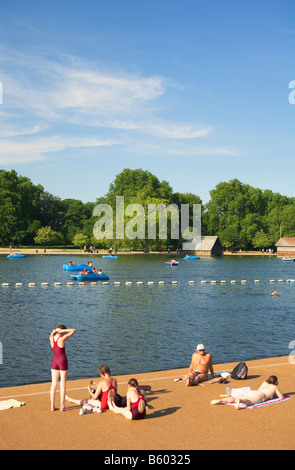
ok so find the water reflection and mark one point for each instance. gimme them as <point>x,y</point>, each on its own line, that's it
<point>143,328</point>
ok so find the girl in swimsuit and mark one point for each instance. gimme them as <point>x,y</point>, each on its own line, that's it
<point>136,403</point>
<point>106,390</point>
<point>59,367</point>
<point>267,391</point>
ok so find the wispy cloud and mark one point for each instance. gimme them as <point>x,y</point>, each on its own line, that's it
<point>54,89</point>
<point>7,130</point>
<point>186,151</point>
<point>180,131</point>
<point>20,151</point>
<point>64,96</point>
<point>158,128</point>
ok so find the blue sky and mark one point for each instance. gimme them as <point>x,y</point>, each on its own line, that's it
<point>195,91</point>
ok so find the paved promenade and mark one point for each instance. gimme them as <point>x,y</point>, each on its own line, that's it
<point>179,417</point>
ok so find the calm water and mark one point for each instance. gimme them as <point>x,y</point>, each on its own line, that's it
<point>143,328</point>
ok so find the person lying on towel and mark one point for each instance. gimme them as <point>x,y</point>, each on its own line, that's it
<point>266,392</point>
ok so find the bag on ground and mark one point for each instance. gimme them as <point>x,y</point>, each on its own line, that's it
<point>121,401</point>
<point>240,372</point>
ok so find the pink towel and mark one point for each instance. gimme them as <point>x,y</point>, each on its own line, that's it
<point>259,405</point>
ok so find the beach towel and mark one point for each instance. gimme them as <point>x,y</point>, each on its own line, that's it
<point>206,382</point>
<point>268,402</point>
<point>8,404</point>
<point>258,405</point>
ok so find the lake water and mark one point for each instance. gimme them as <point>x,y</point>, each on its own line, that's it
<point>142,328</point>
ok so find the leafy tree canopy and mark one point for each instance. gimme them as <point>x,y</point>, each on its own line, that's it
<point>241,215</point>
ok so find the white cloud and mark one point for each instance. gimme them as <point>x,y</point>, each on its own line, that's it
<point>101,92</point>
<point>192,150</point>
<point>159,129</point>
<point>7,130</point>
<point>65,96</point>
<point>179,131</point>
<point>39,148</point>
<point>53,90</point>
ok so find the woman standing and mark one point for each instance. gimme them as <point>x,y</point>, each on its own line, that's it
<point>136,403</point>
<point>59,367</point>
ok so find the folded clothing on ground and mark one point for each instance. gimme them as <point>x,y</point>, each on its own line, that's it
<point>235,392</point>
<point>7,404</point>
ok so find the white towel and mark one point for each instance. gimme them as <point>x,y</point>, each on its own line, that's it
<point>7,404</point>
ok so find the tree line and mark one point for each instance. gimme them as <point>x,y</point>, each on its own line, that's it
<point>242,216</point>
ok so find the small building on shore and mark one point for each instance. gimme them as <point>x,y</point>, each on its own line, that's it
<point>205,246</point>
<point>285,247</point>
<point>210,246</point>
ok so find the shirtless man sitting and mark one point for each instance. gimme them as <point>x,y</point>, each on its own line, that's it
<point>200,366</point>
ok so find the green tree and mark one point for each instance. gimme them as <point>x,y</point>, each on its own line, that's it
<point>19,199</point>
<point>288,221</point>
<point>249,226</point>
<point>80,240</point>
<point>46,236</point>
<point>51,211</point>
<point>137,187</point>
<point>75,215</point>
<point>32,231</point>
<point>261,240</point>
<point>236,211</point>
<point>131,183</point>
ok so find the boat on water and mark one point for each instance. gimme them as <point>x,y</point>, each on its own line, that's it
<point>76,267</point>
<point>172,263</point>
<point>110,256</point>
<point>288,258</point>
<point>191,257</point>
<point>15,256</point>
<point>90,277</point>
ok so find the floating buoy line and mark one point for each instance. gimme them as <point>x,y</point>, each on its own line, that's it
<point>139,283</point>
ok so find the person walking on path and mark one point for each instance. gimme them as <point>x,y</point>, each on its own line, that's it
<point>59,366</point>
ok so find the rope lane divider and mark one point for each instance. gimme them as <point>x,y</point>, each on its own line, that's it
<point>142,283</point>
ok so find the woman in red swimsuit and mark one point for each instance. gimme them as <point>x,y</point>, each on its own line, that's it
<point>59,367</point>
<point>136,403</point>
<point>106,390</point>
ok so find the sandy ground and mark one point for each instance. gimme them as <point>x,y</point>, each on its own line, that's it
<point>179,417</point>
